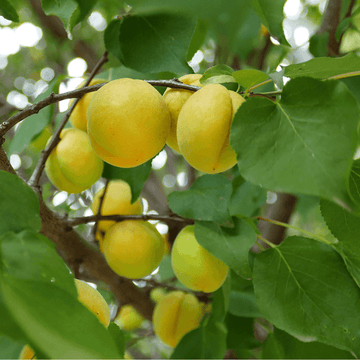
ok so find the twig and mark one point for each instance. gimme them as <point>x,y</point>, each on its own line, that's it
<point>145,217</point>
<point>94,230</point>
<point>35,177</point>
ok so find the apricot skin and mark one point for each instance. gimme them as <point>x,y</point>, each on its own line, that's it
<point>117,201</point>
<point>175,100</point>
<point>128,318</point>
<point>94,301</point>
<point>203,128</point>
<point>133,248</point>
<point>73,166</point>
<point>78,116</point>
<point>27,353</point>
<point>194,266</point>
<point>175,315</point>
<point>128,122</point>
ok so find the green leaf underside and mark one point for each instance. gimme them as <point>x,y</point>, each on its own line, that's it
<point>31,256</point>
<point>302,144</point>
<point>281,345</point>
<point>249,77</point>
<point>218,74</point>
<point>55,321</point>
<point>346,228</point>
<point>207,199</point>
<point>323,68</point>
<point>8,11</point>
<point>271,15</point>
<point>19,205</point>
<point>135,177</point>
<point>230,245</point>
<point>304,288</point>
<point>64,10</point>
<point>156,42</point>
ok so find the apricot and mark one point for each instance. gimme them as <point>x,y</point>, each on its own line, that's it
<point>128,122</point>
<point>40,141</point>
<point>203,128</point>
<point>157,294</point>
<point>175,99</point>
<point>175,315</point>
<point>27,353</point>
<point>128,318</point>
<point>78,116</point>
<point>73,166</point>
<point>94,301</point>
<point>117,201</point>
<point>194,266</point>
<point>133,248</point>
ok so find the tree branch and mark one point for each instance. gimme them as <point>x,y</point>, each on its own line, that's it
<point>145,217</point>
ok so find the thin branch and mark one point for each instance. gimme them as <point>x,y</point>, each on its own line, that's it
<point>98,214</point>
<point>145,217</point>
<point>35,177</point>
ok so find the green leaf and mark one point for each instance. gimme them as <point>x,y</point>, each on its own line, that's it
<point>63,10</point>
<point>8,11</point>
<point>156,42</point>
<point>284,146</point>
<point>208,200</point>
<point>243,304</point>
<point>166,271</point>
<point>304,288</point>
<point>197,39</point>
<point>319,44</point>
<point>281,345</point>
<point>241,336</point>
<point>323,68</point>
<point>249,77</point>
<point>20,207</point>
<point>10,349</point>
<point>118,337</point>
<point>190,346</point>
<point>246,197</point>
<point>111,38</point>
<point>346,228</point>
<point>82,11</point>
<point>218,74</point>
<point>33,125</point>
<point>355,181</point>
<point>271,15</point>
<point>55,321</point>
<point>230,245</point>
<point>31,256</point>
<point>135,177</point>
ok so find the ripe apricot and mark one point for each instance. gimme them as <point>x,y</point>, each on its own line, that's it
<point>133,248</point>
<point>73,166</point>
<point>203,128</point>
<point>94,301</point>
<point>27,353</point>
<point>194,266</point>
<point>117,201</point>
<point>128,122</point>
<point>175,99</point>
<point>157,294</point>
<point>175,315</point>
<point>128,318</point>
<point>78,116</point>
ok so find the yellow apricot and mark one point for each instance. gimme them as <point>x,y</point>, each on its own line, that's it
<point>40,141</point>
<point>157,294</point>
<point>99,236</point>
<point>175,315</point>
<point>27,353</point>
<point>175,99</point>
<point>78,116</point>
<point>117,201</point>
<point>133,248</point>
<point>203,128</point>
<point>73,166</point>
<point>128,122</point>
<point>127,356</point>
<point>194,266</point>
<point>128,318</point>
<point>94,301</point>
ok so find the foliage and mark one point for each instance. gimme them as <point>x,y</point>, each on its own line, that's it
<point>289,293</point>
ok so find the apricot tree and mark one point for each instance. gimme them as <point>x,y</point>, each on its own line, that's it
<point>205,179</point>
